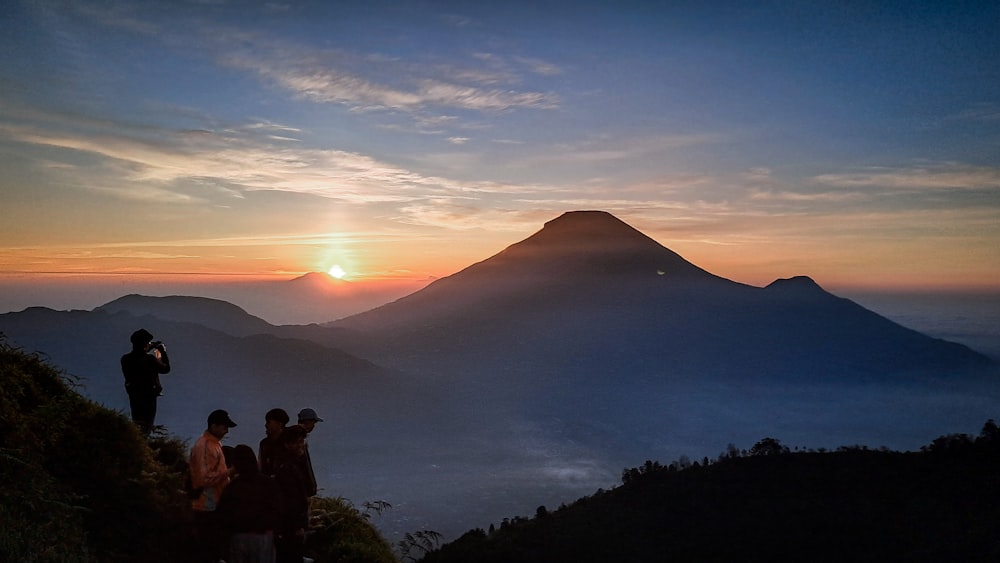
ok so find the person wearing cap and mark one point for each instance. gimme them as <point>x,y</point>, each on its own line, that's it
<point>142,371</point>
<point>308,419</point>
<point>210,474</point>
<point>270,449</point>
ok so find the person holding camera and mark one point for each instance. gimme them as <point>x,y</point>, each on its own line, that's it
<point>142,368</point>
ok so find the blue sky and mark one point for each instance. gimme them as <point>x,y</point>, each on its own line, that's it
<point>856,142</point>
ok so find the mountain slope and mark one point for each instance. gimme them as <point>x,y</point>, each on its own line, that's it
<point>589,294</point>
<point>572,258</point>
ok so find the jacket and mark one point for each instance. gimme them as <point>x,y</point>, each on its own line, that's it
<point>208,471</point>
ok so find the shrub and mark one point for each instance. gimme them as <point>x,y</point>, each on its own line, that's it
<point>340,533</point>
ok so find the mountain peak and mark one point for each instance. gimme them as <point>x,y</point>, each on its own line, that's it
<point>796,283</point>
<point>594,242</point>
<point>588,227</point>
<point>587,222</point>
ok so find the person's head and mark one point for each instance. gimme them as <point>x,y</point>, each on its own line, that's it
<point>219,423</point>
<point>140,339</point>
<point>275,421</point>
<point>308,419</point>
<point>244,460</point>
<point>293,441</point>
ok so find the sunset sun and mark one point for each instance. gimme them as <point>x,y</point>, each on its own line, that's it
<point>336,271</point>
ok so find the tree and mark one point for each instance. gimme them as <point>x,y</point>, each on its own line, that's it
<point>990,431</point>
<point>768,446</point>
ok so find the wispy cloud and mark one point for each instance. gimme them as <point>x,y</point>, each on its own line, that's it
<point>983,111</point>
<point>800,197</point>
<point>197,165</point>
<point>954,176</point>
<point>329,77</point>
<point>538,66</point>
<point>605,148</point>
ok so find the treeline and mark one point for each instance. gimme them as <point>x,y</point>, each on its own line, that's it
<point>770,503</point>
<point>81,484</point>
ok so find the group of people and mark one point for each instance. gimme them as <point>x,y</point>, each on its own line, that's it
<point>253,508</point>
<point>247,508</point>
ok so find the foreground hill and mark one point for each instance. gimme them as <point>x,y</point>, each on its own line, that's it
<point>81,484</point>
<point>855,504</point>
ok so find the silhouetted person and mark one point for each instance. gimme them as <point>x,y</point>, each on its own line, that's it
<point>142,368</point>
<point>270,448</point>
<point>250,509</point>
<point>210,473</point>
<point>294,488</point>
<point>308,420</point>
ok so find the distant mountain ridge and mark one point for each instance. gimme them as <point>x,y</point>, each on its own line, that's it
<point>211,313</point>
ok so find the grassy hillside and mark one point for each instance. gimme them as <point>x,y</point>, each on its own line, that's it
<point>81,483</point>
<point>854,504</point>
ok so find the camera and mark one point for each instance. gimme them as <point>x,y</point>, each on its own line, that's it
<point>158,345</point>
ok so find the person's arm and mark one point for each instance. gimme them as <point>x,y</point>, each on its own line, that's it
<point>162,359</point>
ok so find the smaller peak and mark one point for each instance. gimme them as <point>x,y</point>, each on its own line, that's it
<point>316,277</point>
<point>794,282</point>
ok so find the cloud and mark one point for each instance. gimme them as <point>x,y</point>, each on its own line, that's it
<point>799,197</point>
<point>539,66</point>
<point>952,176</point>
<point>984,111</point>
<point>326,78</point>
<point>202,166</point>
<point>606,148</point>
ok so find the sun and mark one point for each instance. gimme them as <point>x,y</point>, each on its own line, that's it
<point>336,271</point>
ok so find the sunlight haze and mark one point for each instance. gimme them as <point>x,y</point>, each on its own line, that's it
<point>857,144</point>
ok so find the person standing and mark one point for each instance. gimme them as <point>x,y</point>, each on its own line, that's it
<point>269,450</point>
<point>250,508</point>
<point>210,474</point>
<point>142,368</point>
<point>307,420</point>
<point>294,488</point>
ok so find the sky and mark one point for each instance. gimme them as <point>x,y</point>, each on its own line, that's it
<point>854,142</point>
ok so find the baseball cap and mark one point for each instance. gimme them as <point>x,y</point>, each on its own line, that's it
<point>220,417</point>
<point>309,414</point>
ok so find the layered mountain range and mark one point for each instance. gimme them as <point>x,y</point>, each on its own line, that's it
<point>535,375</point>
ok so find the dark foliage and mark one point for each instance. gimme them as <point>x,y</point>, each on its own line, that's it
<point>855,504</point>
<point>79,476</point>
<point>340,533</point>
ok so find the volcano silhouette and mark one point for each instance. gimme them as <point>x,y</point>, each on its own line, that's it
<point>590,295</point>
